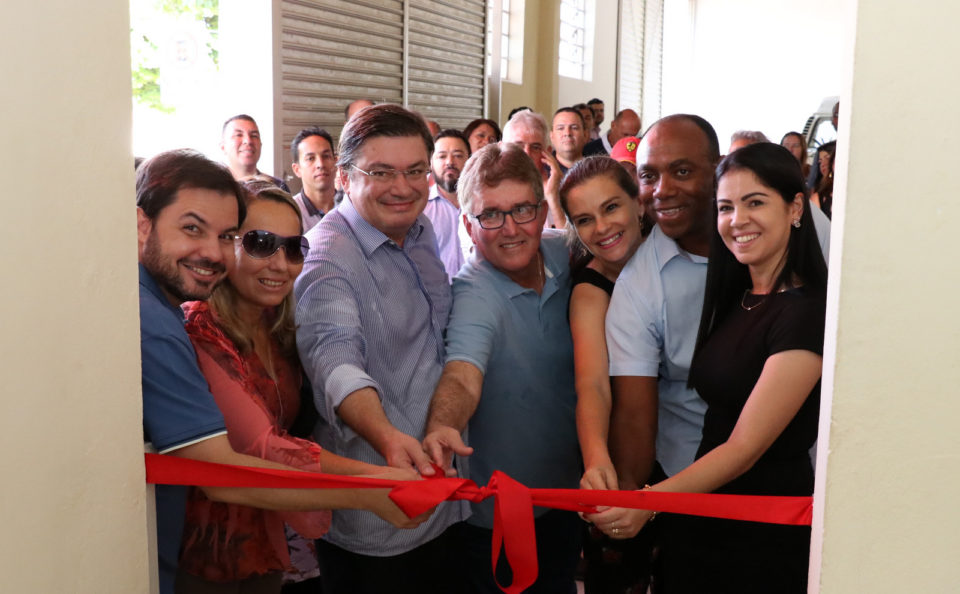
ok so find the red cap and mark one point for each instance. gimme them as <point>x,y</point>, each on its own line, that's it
<point>626,149</point>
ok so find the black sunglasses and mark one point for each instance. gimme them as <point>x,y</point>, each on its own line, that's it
<point>263,244</point>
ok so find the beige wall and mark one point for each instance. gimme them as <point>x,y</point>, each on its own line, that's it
<point>886,515</point>
<point>603,82</point>
<point>542,88</point>
<point>72,504</point>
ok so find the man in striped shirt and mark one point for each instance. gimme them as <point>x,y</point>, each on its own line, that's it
<point>372,304</point>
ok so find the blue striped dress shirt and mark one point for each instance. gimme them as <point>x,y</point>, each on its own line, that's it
<point>371,313</point>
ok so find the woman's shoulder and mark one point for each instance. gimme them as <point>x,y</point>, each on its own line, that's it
<point>587,275</point>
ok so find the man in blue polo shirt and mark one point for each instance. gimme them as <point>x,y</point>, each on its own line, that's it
<point>188,212</point>
<point>508,378</point>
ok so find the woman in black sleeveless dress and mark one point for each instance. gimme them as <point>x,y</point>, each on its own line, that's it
<point>602,205</point>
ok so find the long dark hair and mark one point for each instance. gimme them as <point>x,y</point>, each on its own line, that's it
<point>728,279</point>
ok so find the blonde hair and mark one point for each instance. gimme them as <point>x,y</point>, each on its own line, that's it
<point>223,301</point>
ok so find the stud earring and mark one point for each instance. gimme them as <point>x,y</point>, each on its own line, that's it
<point>796,223</point>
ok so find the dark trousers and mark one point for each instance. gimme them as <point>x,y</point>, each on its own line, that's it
<point>431,568</point>
<point>558,552</point>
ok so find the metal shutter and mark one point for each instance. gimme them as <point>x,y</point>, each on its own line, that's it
<point>445,79</point>
<point>332,52</point>
<point>426,54</point>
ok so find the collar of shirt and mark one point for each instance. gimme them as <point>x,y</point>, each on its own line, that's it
<point>308,204</point>
<point>668,249</point>
<point>604,138</point>
<point>147,282</point>
<point>369,237</point>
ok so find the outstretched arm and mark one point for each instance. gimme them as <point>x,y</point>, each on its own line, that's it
<point>454,402</point>
<point>363,413</point>
<point>784,385</point>
<point>217,449</point>
<point>588,308</point>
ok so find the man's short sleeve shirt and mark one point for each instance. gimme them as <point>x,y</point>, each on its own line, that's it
<point>178,409</point>
<point>652,329</point>
<point>525,422</point>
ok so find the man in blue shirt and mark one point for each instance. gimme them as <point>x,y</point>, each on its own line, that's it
<point>372,303</point>
<point>188,212</point>
<point>508,380</point>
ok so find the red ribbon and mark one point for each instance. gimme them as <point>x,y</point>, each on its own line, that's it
<point>513,527</point>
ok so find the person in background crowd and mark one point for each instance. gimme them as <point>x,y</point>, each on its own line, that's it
<point>529,130</point>
<point>597,106</point>
<point>481,132</point>
<point>188,212</point>
<point>516,110</point>
<point>625,153</point>
<point>797,145</point>
<point>626,123</point>
<point>450,153</point>
<point>742,138</point>
<point>509,367</point>
<point>433,127</point>
<point>587,114</point>
<point>353,107</point>
<point>602,203</point>
<point>757,364</point>
<point>316,166</point>
<point>241,145</point>
<point>372,304</point>
<point>823,194</point>
<point>814,176</point>
<point>246,349</point>
<point>567,137</point>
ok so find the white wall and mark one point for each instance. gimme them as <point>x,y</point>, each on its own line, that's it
<point>751,64</point>
<point>72,505</point>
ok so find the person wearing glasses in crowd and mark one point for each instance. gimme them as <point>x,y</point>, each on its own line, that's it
<point>246,349</point>
<point>372,304</point>
<point>189,210</point>
<point>508,379</point>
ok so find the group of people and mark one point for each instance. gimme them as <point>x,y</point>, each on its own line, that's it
<point>643,318</point>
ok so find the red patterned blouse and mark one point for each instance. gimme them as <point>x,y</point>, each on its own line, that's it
<point>226,542</point>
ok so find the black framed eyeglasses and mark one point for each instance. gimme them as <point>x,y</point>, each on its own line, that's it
<point>494,219</point>
<point>388,175</point>
<point>263,244</point>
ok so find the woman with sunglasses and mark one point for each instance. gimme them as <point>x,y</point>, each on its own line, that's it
<point>245,343</point>
<point>757,364</point>
<point>601,201</point>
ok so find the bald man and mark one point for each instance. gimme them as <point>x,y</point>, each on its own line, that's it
<point>627,123</point>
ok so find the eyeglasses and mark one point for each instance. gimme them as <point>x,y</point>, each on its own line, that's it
<point>263,244</point>
<point>388,175</point>
<point>494,219</point>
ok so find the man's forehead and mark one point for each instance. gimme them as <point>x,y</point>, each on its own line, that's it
<point>449,143</point>
<point>504,196</point>
<point>395,151</point>
<point>314,142</point>
<point>523,134</point>
<point>667,143</point>
<point>566,117</point>
<point>245,125</point>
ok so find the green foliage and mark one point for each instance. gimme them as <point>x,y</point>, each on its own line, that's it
<point>145,71</point>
